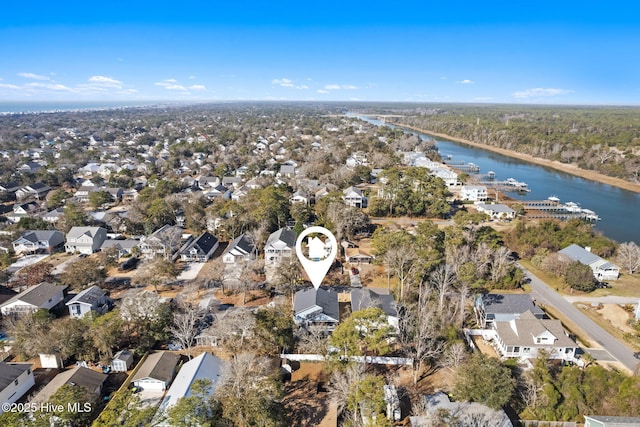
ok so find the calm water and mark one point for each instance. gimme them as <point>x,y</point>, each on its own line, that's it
<point>618,208</point>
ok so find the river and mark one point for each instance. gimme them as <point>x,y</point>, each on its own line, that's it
<point>615,206</point>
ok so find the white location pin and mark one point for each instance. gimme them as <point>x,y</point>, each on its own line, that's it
<point>320,257</point>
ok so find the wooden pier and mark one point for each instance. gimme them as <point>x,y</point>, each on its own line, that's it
<point>552,208</point>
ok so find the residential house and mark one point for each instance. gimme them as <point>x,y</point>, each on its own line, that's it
<point>449,177</point>
<point>22,210</point>
<point>53,216</point>
<point>602,269</point>
<point>82,194</point>
<point>37,191</point>
<point>116,193</point>
<point>44,295</point>
<point>232,181</point>
<point>200,249</point>
<point>6,294</point>
<point>316,307</point>
<point>130,195</point>
<point>280,245</point>
<point>362,298</point>
<point>157,371</point>
<point>122,361</point>
<point>9,187</point>
<point>85,240</point>
<point>90,299</point>
<point>217,192</point>
<point>165,241</point>
<point>35,241</point>
<point>474,193</point>
<point>29,167</point>
<point>124,247</point>
<point>300,196</point>
<point>79,376</point>
<point>16,379</point>
<point>525,337</point>
<point>354,197</point>
<point>357,256</point>
<point>288,171</point>
<point>467,413</point>
<point>490,308</point>
<point>610,421</point>
<point>240,193</point>
<point>496,210</point>
<point>203,367</point>
<point>240,249</point>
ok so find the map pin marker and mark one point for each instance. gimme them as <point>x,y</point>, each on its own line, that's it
<point>320,259</point>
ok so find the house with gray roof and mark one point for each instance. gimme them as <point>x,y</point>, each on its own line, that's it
<point>316,307</point>
<point>362,298</point>
<point>280,245</point>
<point>90,299</point>
<point>35,241</point>
<point>602,269</point>
<point>85,240</point>
<point>240,249</point>
<point>44,295</point>
<point>525,337</point>
<point>16,379</point>
<point>610,421</point>
<point>123,246</point>
<point>495,210</point>
<point>467,413</point>
<point>156,371</point>
<point>165,241</point>
<point>200,249</point>
<point>78,376</point>
<point>490,308</point>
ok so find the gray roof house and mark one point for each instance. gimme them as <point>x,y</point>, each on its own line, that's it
<point>280,244</point>
<point>496,210</point>
<point>165,241</point>
<point>44,295</point>
<point>240,249</point>
<point>525,337</point>
<point>124,247</point>
<point>602,269</point>
<point>78,376</point>
<point>90,299</point>
<point>468,413</point>
<point>362,298</point>
<point>157,371</point>
<point>354,197</point>
<point>16,379</point>
<point>33,241</point>
<point>85,240</point>
<point>316,307</point>
<point>37,190</point>
<point>200,249</point>
<point>610,421</point>
<point>491,308</point>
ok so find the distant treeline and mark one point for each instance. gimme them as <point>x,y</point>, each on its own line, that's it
<point>603,139</point>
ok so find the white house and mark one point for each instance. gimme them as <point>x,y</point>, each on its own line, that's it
<point>602,269</point>
<point>85,240</point>
<point>16,379</point>
<point>474,193</point>
<point>156,371</point>
<point>449,177</point>
<point>279,245</point>
<point>90,299</point>
<point>200,249</point>
<point>496,210</point>
<point>33,241</point>
<point>204,367</point>
<point>45,295</point>
<point>240,249</point>
<point>354,197</point>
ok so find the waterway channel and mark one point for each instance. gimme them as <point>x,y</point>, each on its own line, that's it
<point>617,208</point>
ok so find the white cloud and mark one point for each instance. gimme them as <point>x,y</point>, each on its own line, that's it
<point>8,86</point>
<point>465,82</point>
<point>171,84</point>
<point>197,87</point>
<point>340,87</point>
<point>283,82</point>
<point>538,92</point>
<point>51,86</point>
<point>302,87</point>
<point>105,81</point>
<point>192,77</point>
<point>443,78</point>
<point>33,76</point>
<point>322,91</point>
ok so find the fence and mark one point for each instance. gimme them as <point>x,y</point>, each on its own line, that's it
<point>376,360</point>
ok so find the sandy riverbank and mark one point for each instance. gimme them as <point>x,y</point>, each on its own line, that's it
<point>570,169</point>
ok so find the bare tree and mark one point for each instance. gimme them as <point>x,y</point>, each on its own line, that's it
<point>629,256</point>
<point>313,340</point>
<point>501,264</point>
<point>454,355</point>
<point>186,322</point>
<point>234,326</point>
<point>343,383</point>
<point>403,261</point>
<point>442,280</point>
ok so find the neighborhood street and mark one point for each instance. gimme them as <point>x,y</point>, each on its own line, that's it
<point>545,295</point>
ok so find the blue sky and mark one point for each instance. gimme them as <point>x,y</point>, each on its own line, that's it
<point>561,52</point>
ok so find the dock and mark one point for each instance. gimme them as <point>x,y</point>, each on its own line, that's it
<point>463,167</point>
<point>552,208</point>
<point>508,184</point>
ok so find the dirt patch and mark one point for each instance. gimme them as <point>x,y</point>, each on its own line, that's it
<point>617,316</point>
<point>306,399</point>
<point>253,298</point>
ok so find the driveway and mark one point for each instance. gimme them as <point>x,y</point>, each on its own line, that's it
<point>545,295</point>
<point>25,261</point>
<point>190,271</point>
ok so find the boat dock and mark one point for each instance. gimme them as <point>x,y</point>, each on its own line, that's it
<point>463,167</point>
<point>508,184</point>
<point>552,208</point>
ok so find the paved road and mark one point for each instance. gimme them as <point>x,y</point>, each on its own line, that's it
<point>544,294</point>
<point>609,299</point>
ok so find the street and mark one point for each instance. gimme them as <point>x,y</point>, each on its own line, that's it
<point>545,295</point>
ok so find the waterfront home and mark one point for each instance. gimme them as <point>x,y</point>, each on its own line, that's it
<point>474,193</point>
<point>602,269</point>
<point>495,210</point>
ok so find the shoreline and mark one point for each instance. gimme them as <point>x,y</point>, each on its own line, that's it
<point>553,164</point>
